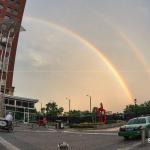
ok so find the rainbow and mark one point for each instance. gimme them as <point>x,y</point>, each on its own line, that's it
<point>128,41</point>
<point>92,47</point>
<point>136,50</point>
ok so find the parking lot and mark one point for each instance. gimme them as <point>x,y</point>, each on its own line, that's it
<point>43,138</point>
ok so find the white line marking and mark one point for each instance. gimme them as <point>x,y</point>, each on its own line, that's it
<point>88,133</point>
<point>71,132</point>
<point>108,129</point>
<point>7,145</point>
<point>36,131</point>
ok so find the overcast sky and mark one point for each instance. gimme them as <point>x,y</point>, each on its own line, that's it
<point>55,60</point>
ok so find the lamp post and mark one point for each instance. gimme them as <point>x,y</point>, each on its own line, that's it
<point>90,102</point>
<point>135,104</point>
<point>69,102</point>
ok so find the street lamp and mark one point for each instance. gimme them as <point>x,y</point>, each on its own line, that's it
<point>135,102</point>
<point>69,102</point>
<point>90,101</point>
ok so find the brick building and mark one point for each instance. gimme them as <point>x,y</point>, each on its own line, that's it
<point>11,12</point>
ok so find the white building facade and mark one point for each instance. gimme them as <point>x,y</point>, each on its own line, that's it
<point>23,109</point>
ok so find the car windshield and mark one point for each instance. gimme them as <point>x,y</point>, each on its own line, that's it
<point>137,121</point>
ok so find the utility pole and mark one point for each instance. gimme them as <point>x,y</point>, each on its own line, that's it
<point>135,104</point>
<point>90,102</point>
<point>69,103</point>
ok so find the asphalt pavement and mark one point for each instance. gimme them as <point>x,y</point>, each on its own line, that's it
<point>2,147</point>
<point>48,139</point>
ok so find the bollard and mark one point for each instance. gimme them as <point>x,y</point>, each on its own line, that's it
<point>148,136</point>
<point>63,146</point>
<point>143,135</point>
<point>32,126</point>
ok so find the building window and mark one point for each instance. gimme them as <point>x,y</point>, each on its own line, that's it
<point>3,83</point>
<point>32,110</point>
<point>10,108</point>
<point>1,6</point>
<point>20,109</point>
<point>9,10</point>
<point>6,101</point>
<point>3,26</point>
<point>26,110</point>
<point>25,104</point>
<point>11,1</point>
<point>31,105</point>
<point>17,6</point>
<point>7,17</point>
<point>18,103</point>
<point>15,12</point>
<point>11,102</point>
<point>8,49</point>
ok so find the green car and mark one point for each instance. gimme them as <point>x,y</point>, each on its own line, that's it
<point>134,127</point>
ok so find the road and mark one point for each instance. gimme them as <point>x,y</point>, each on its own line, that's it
<point>43,139</point>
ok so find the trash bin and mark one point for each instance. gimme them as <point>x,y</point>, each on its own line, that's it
<point>56,125</point>
<point>59,124</point>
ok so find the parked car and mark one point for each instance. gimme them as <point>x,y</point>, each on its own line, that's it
<point>134,127</point>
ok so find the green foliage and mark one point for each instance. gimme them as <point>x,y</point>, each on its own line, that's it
<point>75,113</point>
<point>94,109</point>
<point>142,109</point>
<point>53,109</point>
<point>85,113</point>
<point>83,125</point>
<point>43,110</point>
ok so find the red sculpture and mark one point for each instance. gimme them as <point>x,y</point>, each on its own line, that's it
<point>101,114</point>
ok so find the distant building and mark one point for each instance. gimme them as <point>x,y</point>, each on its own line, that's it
<point>23,109</point>
<point>10,10</point>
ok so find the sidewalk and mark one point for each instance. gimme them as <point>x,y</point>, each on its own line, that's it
<point>110,130</point>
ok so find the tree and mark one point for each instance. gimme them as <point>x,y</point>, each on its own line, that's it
<point>142,109</point>
<point>94,111</point>
<point>53,109</point>
<point>75,113</point>
<point>85,113</point>
<point>43,110</point>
